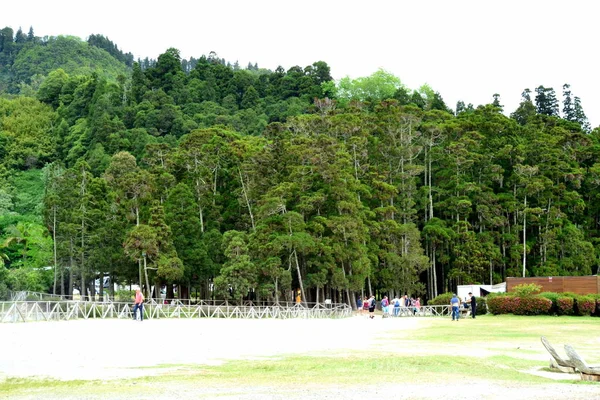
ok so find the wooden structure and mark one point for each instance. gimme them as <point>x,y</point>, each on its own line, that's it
<point>560,284</point>
<point>587,373</point>
<point>573,363</point>
<point>557,363</point>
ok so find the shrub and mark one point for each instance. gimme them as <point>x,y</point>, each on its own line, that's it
<point>441,300</point>
<point>124,296</point>
<point>481,305</point>
<point>585,305</point>
<point>4,293</point>
<point>526,305</point>
<point>532,305</point>
<point>524,290</point>
<point>553,296</point>
<point>564,305</point>
<point>500,304</point>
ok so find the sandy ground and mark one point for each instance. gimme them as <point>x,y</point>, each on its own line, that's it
<point>104,349</point>
<point>110,349</point>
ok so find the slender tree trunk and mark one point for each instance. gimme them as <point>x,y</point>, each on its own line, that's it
<point>200,210</point>
<point>140,280</point>
<point>71,269</point>
<point>356,168</point>
<point>435,290</point>
<point>111,289</point>
<point>347,289</point>
<point>299,276</point>
<point>54,248</point>
<point>148,291</point>
<point>430,189</point>
<point>62,281</point>
<point>524,233</point>
<point>246,198</point>
<point>83,286</point>
<point>215,186</point>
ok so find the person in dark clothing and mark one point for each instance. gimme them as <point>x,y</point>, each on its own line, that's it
<point>473,305</point>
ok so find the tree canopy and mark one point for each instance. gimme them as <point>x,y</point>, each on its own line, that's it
<point>246,183</point>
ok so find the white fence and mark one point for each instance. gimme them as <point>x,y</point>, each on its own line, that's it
<point>25,311</point>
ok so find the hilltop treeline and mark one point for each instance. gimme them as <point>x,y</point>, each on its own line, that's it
<point>249,183</point>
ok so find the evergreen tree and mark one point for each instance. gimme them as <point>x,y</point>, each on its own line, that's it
<point>580,116</point>
<point>546,102</point>
<point>568,106</point>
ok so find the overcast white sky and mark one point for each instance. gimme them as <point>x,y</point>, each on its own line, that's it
<point>465,49</point>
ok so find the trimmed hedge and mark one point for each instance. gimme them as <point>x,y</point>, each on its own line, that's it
<point>585,305</point>
<point>500,304</point>
<point>532,305</point>
<point>544,304</point>
<point>527,305</point>
<point>565,305</point>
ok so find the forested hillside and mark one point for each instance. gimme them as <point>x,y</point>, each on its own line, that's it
<point>250,183</point>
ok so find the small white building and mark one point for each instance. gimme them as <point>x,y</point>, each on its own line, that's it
<point>462,291</point>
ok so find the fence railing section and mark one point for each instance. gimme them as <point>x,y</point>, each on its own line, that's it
<point>422,311</point>
<point>64,310</point>
<point>25,311</point>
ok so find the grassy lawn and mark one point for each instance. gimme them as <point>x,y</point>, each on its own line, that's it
<point>496,349</point>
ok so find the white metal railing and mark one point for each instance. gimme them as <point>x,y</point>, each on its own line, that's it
<point>422,311</point>
<point>25,311</point>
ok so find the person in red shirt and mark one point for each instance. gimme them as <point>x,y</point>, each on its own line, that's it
<point>139,304</point>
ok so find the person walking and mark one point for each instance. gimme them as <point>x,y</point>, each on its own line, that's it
<point>396,303</point>
<point>455,303</point>
<point>139,304</point>
<point>417,305</point>
<point>384,306</point>
<point>473,302</point>
<point>372,304</point>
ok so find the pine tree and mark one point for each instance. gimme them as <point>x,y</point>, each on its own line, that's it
<point>546,101</point>
<point>580,116</point>
<point>568,106</point>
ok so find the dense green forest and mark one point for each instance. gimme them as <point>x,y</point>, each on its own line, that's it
<point>248,183</point>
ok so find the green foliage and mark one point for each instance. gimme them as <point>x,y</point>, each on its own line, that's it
<point>552,296</point>
<point>381,185</point>
<point>28,191</point>
<point>25,133</point>
<point>70,53</point>
<point>524,290</point>
<point>441,300</point>
<point>35,280</point>
<point>378,86</point>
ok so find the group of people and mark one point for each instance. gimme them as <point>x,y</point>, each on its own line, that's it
<point>405,304</point>
<point>470,302</point>
<point>390,308</point>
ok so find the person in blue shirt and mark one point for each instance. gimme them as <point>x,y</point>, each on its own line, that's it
<point>455,303</point>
